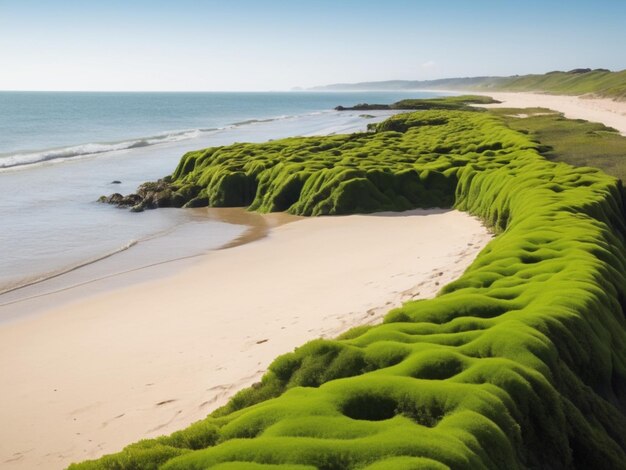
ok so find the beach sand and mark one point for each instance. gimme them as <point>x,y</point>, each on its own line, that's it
<point>88,377</point>
<point>139,356</point>
<point>610,113</point>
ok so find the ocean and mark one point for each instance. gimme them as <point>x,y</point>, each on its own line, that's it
<point>60,151</point>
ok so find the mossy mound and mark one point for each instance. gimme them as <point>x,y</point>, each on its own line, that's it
<point>411,161</point>
<point>520,363</point>
<point>462,102</point>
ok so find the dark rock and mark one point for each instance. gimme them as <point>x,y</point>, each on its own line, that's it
<point>199,201</point>
<point>115,198</point>
<point>116,182</point>
<point>178,200</point>
<point>162,198</point>
<point>149,195</point>
<point>130,200</point>
<point>363,107</point>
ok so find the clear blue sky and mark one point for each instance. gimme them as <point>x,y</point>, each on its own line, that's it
<point>279,44</point>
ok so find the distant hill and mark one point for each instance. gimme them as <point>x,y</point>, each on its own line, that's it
<point>442,83</point>
<point>597,82</point>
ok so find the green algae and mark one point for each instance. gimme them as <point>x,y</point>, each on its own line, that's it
<point>409,162</point>
<point>520,363</point>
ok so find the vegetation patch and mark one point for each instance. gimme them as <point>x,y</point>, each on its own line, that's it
<point>463,102</point>
<point>573,141</point>
<point>519,363</point>
<point>598,82</point>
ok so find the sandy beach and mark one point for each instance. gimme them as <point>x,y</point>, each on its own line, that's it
<point>146,353</point>
<point>610,113</point>
<point>88,377</point>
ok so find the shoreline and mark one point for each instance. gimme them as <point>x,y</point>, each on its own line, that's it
<point>137,310</point>
<point>190,241</point>
<point>89,150</point>
<point>122,267</point>
<point>152,357</point>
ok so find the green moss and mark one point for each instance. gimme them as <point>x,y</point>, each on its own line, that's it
<point>520,363</point>
<point>411,161</point>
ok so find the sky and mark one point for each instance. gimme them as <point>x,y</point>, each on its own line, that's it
<point>247,45</point>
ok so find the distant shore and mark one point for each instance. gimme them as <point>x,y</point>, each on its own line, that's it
<point>151,358</point>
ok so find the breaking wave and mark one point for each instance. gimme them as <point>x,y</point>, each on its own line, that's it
<point>28,158</point>
<point>33,157</point>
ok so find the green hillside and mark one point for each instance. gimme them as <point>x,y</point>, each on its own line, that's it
<point>599,82</point>
<point>520,363</point>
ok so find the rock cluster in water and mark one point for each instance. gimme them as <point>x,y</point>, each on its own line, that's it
<point>149,195</point>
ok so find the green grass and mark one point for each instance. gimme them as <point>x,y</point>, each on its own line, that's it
<point>578,142</point>
<point>520,363</point>
<point>601,83</point>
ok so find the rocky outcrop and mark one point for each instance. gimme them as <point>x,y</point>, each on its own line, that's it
<point>148,196</point>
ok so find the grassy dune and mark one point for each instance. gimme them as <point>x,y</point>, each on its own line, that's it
<point>599,82</point>
<point>602,83</point>
<point>520,363</point>
<point>573,141</point>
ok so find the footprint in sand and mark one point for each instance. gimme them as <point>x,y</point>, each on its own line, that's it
<point>165,402</point>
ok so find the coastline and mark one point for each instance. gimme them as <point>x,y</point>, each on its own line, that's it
<point>123,268</point>
<point>147,359</point>
<point>173,413</point>
<point>61,258</point>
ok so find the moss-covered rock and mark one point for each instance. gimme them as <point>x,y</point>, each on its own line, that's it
<point>520,363</point>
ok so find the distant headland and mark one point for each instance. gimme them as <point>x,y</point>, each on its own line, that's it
<point>581,81</point>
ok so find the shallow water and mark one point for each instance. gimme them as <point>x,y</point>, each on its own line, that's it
<point>51,222</point>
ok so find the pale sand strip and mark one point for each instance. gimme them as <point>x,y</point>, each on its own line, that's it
<point>608,112</point>
<point>89,377</point>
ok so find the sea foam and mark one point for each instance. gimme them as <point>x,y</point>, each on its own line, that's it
<point>29,158</point>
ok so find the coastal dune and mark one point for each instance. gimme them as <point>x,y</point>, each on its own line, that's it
<point>609,112</point>
<point>86,378</point>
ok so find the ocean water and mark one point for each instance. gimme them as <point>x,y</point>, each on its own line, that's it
<point>60,151</point>
<point>36,126</point>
